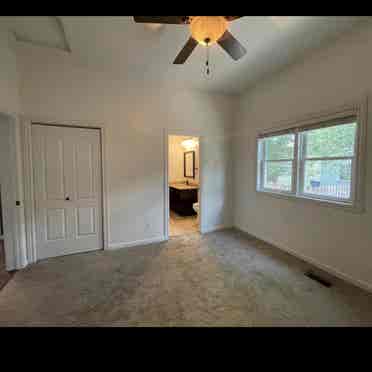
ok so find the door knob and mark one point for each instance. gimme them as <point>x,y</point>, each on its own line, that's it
<point>67,198</point>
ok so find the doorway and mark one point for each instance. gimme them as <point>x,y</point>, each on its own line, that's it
<point>183,185</point>
<point>67,170</point>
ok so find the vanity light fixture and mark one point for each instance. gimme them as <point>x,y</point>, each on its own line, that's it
<point>189,144</point>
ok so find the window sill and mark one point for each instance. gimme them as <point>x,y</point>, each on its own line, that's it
<point>353,208</point>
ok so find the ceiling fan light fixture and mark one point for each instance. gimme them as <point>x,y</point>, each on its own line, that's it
<point>207,30</point>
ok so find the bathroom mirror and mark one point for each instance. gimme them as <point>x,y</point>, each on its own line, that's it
<point>189,164</point>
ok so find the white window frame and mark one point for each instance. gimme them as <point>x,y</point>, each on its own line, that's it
<point>356,201</point>
<point>303,159</point>
<point>263,161</point>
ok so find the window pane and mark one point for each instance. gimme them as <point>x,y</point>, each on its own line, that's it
<point>279,147</point>
<point>278,175</point>
<point>328,178</point>
<point>332,141</point>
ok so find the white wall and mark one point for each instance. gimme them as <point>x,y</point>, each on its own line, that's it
<point>329,78</point>
<point>11,168</point>
<point>135,118</point>
<point>6,185</point>
<point>11,189</point>
<point>176,160</point>
<point>9,84</point>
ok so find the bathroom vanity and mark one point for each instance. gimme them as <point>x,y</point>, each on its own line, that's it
<point>182,197</point>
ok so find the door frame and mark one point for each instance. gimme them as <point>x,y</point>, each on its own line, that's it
<point>188,133</point>
<point>30,217</point>
<point>13,206</point>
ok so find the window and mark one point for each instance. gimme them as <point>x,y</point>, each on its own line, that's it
<point>277,165</point>
<point>317,161</point>
<point>328,158</point>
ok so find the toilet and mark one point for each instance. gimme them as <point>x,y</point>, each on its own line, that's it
<point>195,206</point>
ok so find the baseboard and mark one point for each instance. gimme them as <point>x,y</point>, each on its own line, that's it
<point>113,246</point>
<point>358,283</point>
<point>209,229</point>
<point>16,268</point>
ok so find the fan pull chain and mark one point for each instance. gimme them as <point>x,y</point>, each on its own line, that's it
<point>207,62</point>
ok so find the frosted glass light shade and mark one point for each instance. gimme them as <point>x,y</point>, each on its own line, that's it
<point>207,27</point>
<point>189,144</point>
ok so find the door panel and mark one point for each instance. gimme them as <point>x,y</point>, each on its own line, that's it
<point>53,159</point>
<point>56,224</point>
<point>86,221</point>
<point>84,170</point>
<point>67,178</point>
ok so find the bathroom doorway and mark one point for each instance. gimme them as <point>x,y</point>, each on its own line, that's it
<point>183,185</point>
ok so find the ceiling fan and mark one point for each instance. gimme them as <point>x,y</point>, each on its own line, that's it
<point>205,30</point>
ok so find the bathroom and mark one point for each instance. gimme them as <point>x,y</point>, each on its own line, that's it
<point>184,185</point>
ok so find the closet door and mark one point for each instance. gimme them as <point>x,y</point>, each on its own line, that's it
<point>67,177</point>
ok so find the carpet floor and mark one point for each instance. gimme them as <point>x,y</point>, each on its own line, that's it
<point>219,279</point>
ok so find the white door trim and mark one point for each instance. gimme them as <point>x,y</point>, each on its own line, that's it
<point>14,237</point>
<point>182,132</point>
<point>28,178</point>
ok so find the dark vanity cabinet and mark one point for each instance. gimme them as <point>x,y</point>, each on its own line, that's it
<point>181,200</point>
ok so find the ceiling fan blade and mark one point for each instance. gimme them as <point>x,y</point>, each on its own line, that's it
<point>232,46</point>
<point>233,18</point>
<point>185,52</point>
<point>172,20</point>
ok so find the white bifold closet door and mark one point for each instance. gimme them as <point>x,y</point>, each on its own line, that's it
<point>67,186</point>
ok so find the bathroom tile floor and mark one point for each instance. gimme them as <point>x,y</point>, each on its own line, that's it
<point>179,225</point>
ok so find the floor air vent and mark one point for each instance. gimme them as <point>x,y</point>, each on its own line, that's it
<point>318,279</point>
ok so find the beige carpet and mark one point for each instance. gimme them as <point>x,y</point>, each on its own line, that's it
<point>220,279</point>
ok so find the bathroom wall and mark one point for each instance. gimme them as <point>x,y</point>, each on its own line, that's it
<point>175,160</point>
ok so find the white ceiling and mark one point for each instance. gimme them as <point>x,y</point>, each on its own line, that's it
<point>130,50</point>
<point>40,30</point>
